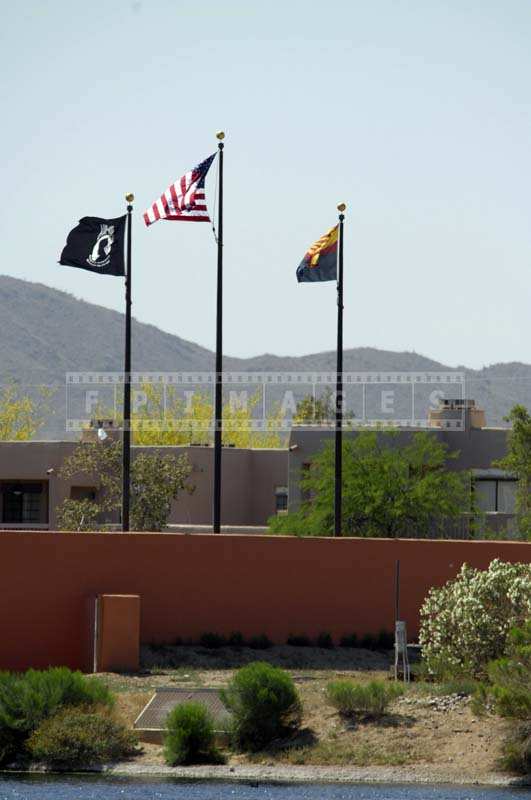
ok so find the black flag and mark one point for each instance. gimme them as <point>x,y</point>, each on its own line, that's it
<point>97,245</point>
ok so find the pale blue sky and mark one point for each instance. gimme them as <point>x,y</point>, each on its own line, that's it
<point>417,114</point>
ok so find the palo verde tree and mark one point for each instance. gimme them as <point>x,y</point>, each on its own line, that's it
<point>21,416</point>
<point>312,410</point>
<point>165,418</point>
<point>389,489</point>
<point>518,461</point>
<point>156,480</point>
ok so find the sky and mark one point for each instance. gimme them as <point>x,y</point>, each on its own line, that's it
<point>415,113</point>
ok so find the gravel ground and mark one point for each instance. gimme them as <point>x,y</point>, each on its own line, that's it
<point>282,774</point>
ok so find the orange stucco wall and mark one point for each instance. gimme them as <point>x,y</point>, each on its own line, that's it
<point>189,584</point>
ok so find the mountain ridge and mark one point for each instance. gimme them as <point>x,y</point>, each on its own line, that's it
<point>48,332</point>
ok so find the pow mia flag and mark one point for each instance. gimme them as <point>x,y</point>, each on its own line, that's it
<point>96,244</point>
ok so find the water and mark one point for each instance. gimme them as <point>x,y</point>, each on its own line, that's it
<point>97,788</point>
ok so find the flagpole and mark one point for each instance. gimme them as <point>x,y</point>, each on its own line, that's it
<point>339,382</point>
<point>216,511</point>
<point>126,436</point>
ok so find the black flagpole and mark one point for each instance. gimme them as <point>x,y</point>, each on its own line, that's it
<point>339,382</point>
<point>216,511</point>
<point>126,437</point>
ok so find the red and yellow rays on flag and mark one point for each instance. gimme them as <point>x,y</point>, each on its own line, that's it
<point>320,261</point>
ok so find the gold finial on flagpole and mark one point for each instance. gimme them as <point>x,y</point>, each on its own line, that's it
<point>129,197</point>
<point>220,135</point>
<point>341,207</point>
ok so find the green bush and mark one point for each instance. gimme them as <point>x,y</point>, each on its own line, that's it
<point>325,641</point>
<point>362,699</point>
<point>385,640</point>
<point>78,738</point>
<point>264,703</point>
<point>190,736</point>
<point>507,690</point>
<point>260,642</point>
<point>517,749</point>
<point>236,640</point>
<point>29,698</point>
<point>349,640</point>
<point>213,641</point>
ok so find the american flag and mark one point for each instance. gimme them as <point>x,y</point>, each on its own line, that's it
<point>184,199</point>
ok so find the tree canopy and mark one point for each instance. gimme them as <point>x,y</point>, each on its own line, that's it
<point>156,480</point>
<point>518,461</point>
<point>389,489</point>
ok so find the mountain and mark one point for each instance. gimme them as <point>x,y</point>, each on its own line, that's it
<point>46,333</point>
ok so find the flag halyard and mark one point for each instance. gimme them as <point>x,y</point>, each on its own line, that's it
<point>184,199</point>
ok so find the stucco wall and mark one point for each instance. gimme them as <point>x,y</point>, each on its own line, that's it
<point>189,584</point>
<point>249,478</point>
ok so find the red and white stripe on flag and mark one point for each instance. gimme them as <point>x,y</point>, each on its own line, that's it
<point>184,199</point>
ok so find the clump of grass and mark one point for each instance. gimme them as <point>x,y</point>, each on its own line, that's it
<point>369,700</point>
<point>338,752</point>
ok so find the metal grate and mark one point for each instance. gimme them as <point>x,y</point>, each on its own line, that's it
<point>153,716</point>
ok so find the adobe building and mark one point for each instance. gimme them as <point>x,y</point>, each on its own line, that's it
<point>31,488</point>
<point>459,424</point>
<point>256,483</point>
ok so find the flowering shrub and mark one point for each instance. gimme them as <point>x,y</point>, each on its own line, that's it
<point>465,624</point>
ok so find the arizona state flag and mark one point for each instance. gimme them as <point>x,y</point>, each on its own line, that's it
<point>96,244</point>
<point>320,261</point>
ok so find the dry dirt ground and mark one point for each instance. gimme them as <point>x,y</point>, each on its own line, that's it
<point>431,735</point>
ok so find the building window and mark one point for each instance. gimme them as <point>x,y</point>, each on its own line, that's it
<point>281,499</point>
<point>495,495</point>
<point>23,502</point>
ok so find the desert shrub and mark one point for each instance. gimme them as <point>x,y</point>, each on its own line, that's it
<point>236,639</point>
<point>78,738</point>
<point>190,736</point>
<point>516,750</point>
<point>385,640</point>
<point>260,642</point>
<point>264,704</point>
<point>465,624</point>
<point>349,640</point>
<point>325,641</point>
<point>299,640</point>
<point>212,641</point>
<point>507,690</point>
<point>367,642</point>
<point>362,699</point>
<point>28,699</point>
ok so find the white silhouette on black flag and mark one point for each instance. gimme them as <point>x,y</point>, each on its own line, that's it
<point>96,244</point>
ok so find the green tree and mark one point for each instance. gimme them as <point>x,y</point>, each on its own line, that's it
<point>388,489</point>
<point>518,461</point>
<point>156,480</point>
